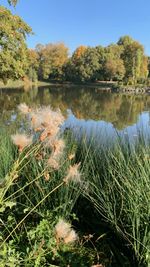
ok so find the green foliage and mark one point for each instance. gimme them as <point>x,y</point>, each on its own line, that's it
<point>124,61</point>
<point>12,2</point>
<point>44,248</point>
<point>125,40</point>
<point>27,223</point>
<point>51,59</point>
<point>84,67</point>
<point>135,62</point>
<point>13,50</point>
<point>113,65</point>
<point>32,74</point>
<point>32,71</point>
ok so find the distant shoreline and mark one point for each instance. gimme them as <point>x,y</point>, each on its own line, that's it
<point>20,84</point>
<point>107,86</point>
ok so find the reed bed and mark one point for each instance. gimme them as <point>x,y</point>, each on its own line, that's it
<point>65,202</point>
<point>119,190</point>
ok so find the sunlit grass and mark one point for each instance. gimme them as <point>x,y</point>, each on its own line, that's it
<point>103,191</point>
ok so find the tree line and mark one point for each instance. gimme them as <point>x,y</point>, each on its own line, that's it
<point>124,61</point>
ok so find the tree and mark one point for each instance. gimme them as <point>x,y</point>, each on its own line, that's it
<point>114,69</point>
<point>125,40</point>
<point>79,52</point>
<point>12,2</point>
<point>113,64</point>
<point>101,52</point>
<point>51,59</point>
<point>83,65</point>
<point>32,72</point>
<point>13,49</point>
<point>135,61</point>
<point>90,65</point>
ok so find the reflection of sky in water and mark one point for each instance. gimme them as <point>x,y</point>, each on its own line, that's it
<point>101,130</point>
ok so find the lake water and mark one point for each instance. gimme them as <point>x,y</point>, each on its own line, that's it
<point>87,110</point>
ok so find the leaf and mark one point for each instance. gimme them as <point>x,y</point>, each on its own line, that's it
<point>26,210</point>
<point>10,204</point>
<point>2,209</point>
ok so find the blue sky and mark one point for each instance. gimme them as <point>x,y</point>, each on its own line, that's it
<point>85,22</point>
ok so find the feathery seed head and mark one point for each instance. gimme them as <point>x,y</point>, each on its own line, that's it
<point>73,174</point>
<point>71,237</point>
<point>53,163</point>
<point>47,120</point>
<point>58,146</point>
<point>64,232</point>
<point>23,108</point>
<point>62,229</point>
<point>21,140</point>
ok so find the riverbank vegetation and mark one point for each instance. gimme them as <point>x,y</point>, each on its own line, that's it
<point>68,201</point>
<point>124,62</point>
<point>26,84</point>
<point>59,194</point>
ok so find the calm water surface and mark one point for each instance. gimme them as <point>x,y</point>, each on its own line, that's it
<point>87,110</point>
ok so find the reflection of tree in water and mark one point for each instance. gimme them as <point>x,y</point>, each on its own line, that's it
<point>129,111</point>
<point>85,103</point>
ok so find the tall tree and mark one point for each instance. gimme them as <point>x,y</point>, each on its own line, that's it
<point>51,59</point>
<point>113,64</point>
<point>135,61</point>
<point>79,52</point>
<point>13,49</point>
<point>32,71</point>
<point>83,65</point>
<point>90,65</point>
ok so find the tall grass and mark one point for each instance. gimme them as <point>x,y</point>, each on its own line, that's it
<point>119,189</point>
<point>110,204</point>
<point>33,197</point>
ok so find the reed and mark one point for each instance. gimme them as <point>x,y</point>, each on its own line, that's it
<point>97,199</point>
<point>35,198</point>
<point>119,190</point>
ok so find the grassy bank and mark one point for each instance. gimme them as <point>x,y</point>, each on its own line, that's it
<point>64,203</point>
<point>21,84</point>
<point>107,86</point>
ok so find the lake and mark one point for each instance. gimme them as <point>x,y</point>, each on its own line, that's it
<point>87,110</point>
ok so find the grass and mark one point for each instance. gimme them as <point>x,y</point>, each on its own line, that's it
<point>28,84</point>
<point>22,84</point>
<point>30,208</point>
<point>119,189</point>
<point>109,208</point>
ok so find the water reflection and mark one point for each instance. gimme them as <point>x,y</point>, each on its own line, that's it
<point>90,108</point>
<point>104,132</point>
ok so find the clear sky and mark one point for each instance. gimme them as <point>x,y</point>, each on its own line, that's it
<point>85,22</point>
